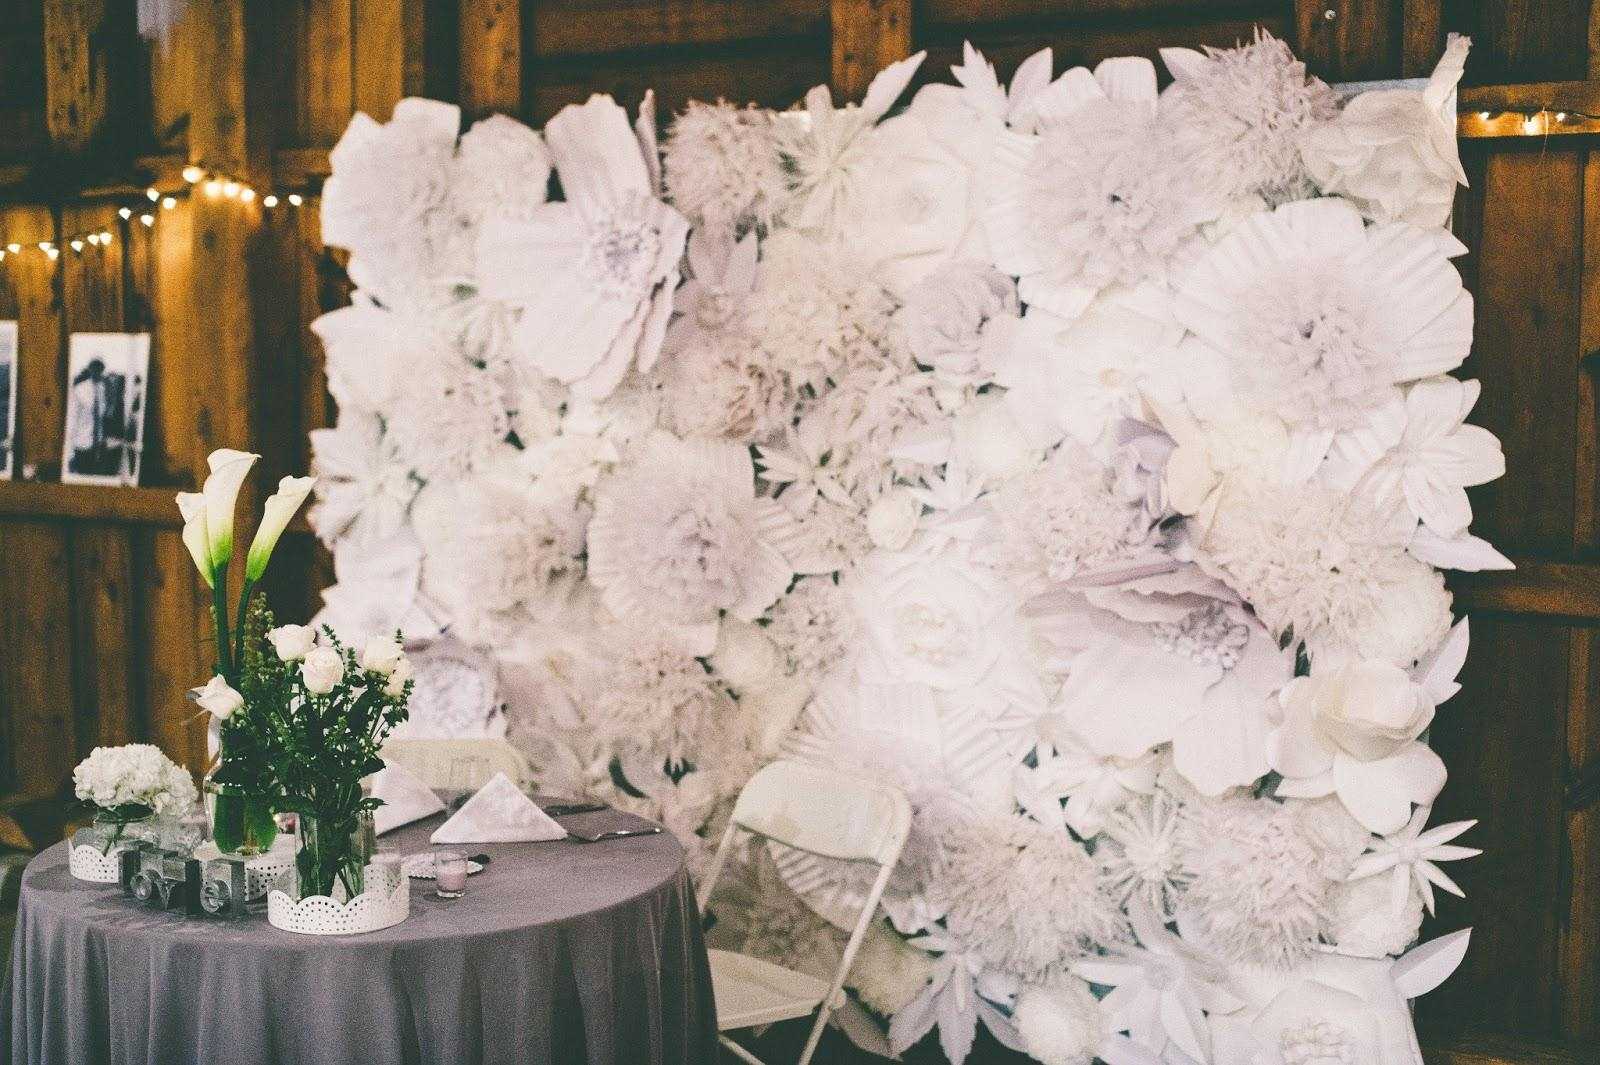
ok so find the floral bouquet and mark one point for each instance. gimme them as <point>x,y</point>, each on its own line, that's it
<point>322,714</point>
<point>129,784</point>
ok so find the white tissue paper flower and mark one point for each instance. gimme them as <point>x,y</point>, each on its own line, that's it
<point>1141,853</point>
<point>679,536</point>
<point>813,625</point>
<point>502,171</point>
<point>1393,151</point>
<point>947,318</point>
<point>1318,317</point>
<point>1097,197</point>
<point>1364,922</point>
<point>1060,1021</point>
<point>387,198</point>
<point>363,490</point>
<point>593,275</point>
<point>1237,116</point>
<point>722,166</point>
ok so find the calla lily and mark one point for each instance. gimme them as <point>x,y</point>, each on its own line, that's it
<point>192,505</point>
<point>228,471</point>
<point>280,507</point>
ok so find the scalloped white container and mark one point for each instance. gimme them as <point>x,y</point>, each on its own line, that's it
<point>319,915</point>
<point>267,872</point>
<point>87,863</point>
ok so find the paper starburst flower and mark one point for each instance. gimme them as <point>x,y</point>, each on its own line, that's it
<point>1410,856</point>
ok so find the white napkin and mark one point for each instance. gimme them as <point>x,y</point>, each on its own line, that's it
<point>405,798</point>
<point>498,813</point>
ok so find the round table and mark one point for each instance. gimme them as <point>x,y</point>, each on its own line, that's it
<point>559,952</point>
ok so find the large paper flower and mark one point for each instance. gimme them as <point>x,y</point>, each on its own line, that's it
<point>1318,317</point>
<point>1093,199</point>
<point>594,275</point>
<point>723,168</point>
<point>363,491</point>
<point>679,536</point>
<point>502,171</point>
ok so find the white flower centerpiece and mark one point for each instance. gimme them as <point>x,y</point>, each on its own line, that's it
<point>127,786</point>
<point>1079,454</point>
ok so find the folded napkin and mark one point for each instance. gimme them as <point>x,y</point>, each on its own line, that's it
<point>406,798</point>
<point>498,813</point>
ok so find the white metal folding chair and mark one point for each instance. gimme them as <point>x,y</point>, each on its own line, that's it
<point>828,814</point>
<point>459,764</point>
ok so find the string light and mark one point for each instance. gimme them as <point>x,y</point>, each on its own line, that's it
<point>270,201</point>
<point>168,203</point>
<point>295,199</point>
<point>148,220</point>
<point>124,213</point>
<point>1541,121</point>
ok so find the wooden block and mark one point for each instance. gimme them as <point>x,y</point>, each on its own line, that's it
<point>36,670</point>
<point>868,35</point>
<point>30,280</point>
<point>588,27</point>
<point>491,57</point>
<point>1361,40</point>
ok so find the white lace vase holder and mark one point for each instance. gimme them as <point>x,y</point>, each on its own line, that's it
<point>320,915</point>
<point>86,862</point>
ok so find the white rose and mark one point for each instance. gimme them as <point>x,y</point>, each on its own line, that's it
<point>217,698</point>
<point>292,642</point>
<point>403,671</point>
<point>322,670</point>
<point>744,656</point>
<point>381,655</point>
<point>989,442</point>
<point>1369,710</point>
<point>892,519</point>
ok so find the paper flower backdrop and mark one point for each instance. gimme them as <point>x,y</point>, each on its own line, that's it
<point>1078,454</point>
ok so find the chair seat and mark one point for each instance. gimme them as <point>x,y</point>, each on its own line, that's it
<point>750,991</point>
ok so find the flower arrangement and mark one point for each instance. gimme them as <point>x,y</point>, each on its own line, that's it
<point>1079,454</point>
<point>322,713</point>
<point>242,813</point>
<point>130,783</point>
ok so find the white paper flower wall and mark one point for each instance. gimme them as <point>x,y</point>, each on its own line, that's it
<point>1079,454</point>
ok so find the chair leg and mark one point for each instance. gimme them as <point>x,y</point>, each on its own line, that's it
<point>740,1052</point>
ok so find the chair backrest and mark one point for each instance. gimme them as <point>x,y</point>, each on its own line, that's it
<point>825,812</point>
<point>459,764</point>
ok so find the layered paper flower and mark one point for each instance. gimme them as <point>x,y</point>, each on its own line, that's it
<point>593,275</point>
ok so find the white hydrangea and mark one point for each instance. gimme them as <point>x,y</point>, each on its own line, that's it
<point>133,775</point>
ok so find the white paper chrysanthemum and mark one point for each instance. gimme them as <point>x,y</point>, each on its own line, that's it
<point>1093,199</point>
<point>678,536</point>
<point>594,274</point>
<point>363,490</point>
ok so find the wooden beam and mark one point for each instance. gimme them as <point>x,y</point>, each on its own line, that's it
<point>88,61</point>
<point>1357,42</point>
<point>90,502</point>
<point>1538,587</point>
<point>1502,1050</point>
<point>491,57</point>
<point>1505,110</point>
<point>868,35</point>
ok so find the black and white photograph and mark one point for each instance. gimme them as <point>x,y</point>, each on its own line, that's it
<point>105,407</point>
<point>8,395</point>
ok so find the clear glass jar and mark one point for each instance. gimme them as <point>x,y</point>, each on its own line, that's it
<point>117,829</point>
<point>331,856</point>
<point>241,822</point>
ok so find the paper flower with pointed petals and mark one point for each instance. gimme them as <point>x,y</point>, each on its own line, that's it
<point>593,275</point>
<point>1091,200</point>
<point>1409,856</point>
<point>1421,455</point>
<point>1317,317</point>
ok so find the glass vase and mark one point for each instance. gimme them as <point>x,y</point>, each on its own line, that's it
<point>241,821</point>
<point>331,855</point>
<point>112,830</point>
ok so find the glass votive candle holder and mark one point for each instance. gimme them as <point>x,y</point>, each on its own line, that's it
<point>449,874</point>
<point>385,873</point>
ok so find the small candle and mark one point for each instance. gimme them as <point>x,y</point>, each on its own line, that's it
<point>450,874</point>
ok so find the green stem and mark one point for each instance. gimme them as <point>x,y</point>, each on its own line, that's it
<point>238,633</point>
<point>219,617</point>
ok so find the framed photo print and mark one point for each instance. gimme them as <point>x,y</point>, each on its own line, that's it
<point>106,377</point>
<point>8,397</point>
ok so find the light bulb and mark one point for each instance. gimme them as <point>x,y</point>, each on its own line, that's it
<point>213,188</point>
<point>13,248</point>
<point>295,199</point>
<point>230,189</point>
<point>1483,115</point>
<point>1530,124</point>
<point>151,194</point>
<point>1561,116</point>
<point>124,213</point>
<point>45,245</point>
<point>77,245</point>
<point>148,219</point>
<point>169,203</point>
<point>192,173</point>
<point>247,194</point>
<point>53,253</point>
<point>269,200</point>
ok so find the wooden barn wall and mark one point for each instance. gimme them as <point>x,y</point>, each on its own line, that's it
<point>102,621</point>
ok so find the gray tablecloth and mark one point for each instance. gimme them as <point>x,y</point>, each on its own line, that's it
<point>560,952</point>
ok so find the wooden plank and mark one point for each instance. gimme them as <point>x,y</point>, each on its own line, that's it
<point>1580,927</point>
<point>87,71</point>
<point>325,86</point>
<point>180,426</point>
<point>170,66</point>
<point>1525,40</point>
<point>1526,343</point>
<point>401,48</point>
<point>35,673</point>
<point>1502,739</point>
<point>1421,37</point>
<point>868,35</point>
<point>1536,587</point>
<point>90,502</point>
<point>588,27</point>
<point>178,639</point>
<point>1503,1050</point>
<point>31,280</point>
<point>105,641</point>
<point>491,57</point>
<point>1361,39</point>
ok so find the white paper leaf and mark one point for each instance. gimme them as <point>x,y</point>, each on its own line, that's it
<point>1424,968</point>
<point>1466,552</point>
<point>888,85</point>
